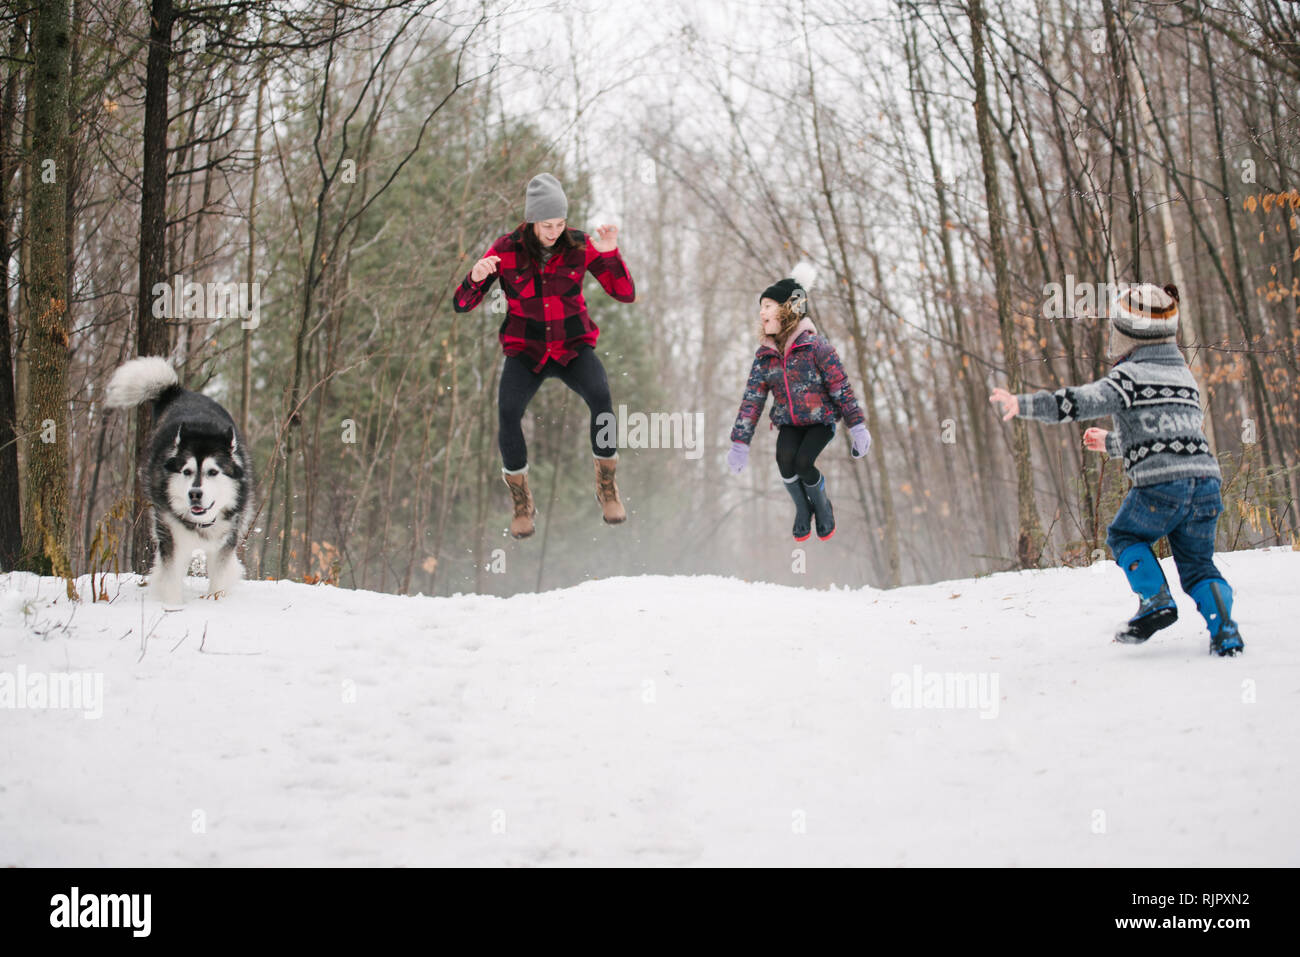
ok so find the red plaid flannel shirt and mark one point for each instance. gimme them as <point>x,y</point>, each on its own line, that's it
<point>546,316</point>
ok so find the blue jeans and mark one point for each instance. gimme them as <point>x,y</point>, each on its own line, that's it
<point>1186,510</point>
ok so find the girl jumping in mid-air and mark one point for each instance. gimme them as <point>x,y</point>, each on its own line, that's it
<point>809,393</point>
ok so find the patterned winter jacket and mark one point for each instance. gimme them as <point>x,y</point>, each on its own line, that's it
<point>1157,409</point>
<point>808,385</point>
<point>546,316</point>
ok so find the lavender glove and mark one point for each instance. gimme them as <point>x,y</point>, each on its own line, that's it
<point>861,440</point>
<point>737,457</point>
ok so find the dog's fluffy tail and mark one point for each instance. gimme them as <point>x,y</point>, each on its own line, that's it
<point>140,380</point>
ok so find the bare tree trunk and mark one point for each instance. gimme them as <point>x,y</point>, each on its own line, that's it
<point>46,527</point>
<point>971,379</point>
<point>250,272</point>
<point>485,471</point>
<point>1264,408</point>
<point>1125,140</point>
<point>151,332</point>
<point>446,484</point>
<point>10,514</point>
<point>1029,538</point>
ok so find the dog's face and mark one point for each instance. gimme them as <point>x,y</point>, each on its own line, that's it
<point>203,476</point>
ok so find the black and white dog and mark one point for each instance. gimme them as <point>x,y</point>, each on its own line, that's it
<point>198,477</point>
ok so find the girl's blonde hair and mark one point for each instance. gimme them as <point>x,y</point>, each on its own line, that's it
<point>789,319</point>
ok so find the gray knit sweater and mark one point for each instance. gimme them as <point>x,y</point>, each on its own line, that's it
<point>1157,409</point>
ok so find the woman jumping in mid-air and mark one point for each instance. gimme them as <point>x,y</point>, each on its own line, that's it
<point>547,332</point>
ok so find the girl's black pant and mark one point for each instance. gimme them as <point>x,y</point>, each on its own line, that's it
<point>584,374</point>
<point>797,448</point>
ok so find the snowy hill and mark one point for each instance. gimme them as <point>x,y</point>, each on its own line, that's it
<point>672,721</point>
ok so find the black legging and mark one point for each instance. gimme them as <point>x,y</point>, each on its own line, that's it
<point>519,383</point>
<point>797,448</point>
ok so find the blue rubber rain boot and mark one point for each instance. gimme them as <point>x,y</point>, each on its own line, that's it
<point>1157,609</point>
<point>821,506</point>
<point>1214,601</point>
<point>802,529</point>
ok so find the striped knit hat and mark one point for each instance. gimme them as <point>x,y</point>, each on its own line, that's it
<point>1145,312</point>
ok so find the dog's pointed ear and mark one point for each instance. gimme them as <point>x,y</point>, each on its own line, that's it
<point>232,439</point>
<point>176,442</point>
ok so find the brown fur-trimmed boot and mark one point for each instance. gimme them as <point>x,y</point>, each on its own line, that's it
<point>607,491</point>
<point>521,526</point>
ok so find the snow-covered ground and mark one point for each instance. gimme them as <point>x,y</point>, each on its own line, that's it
<point>656,720</point>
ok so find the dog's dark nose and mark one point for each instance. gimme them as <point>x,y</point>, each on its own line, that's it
<point>196,495</point>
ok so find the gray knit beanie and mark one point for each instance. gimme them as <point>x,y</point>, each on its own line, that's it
<point>545,199</point>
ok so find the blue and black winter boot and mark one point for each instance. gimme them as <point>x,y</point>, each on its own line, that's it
<point>821,507</point>
<point>1214,601</point>
<point>802,510</point>
<point>1156,609</point>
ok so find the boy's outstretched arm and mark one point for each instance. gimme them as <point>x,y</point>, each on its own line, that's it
<point>1008,405</point>
<point>1071,404</point>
